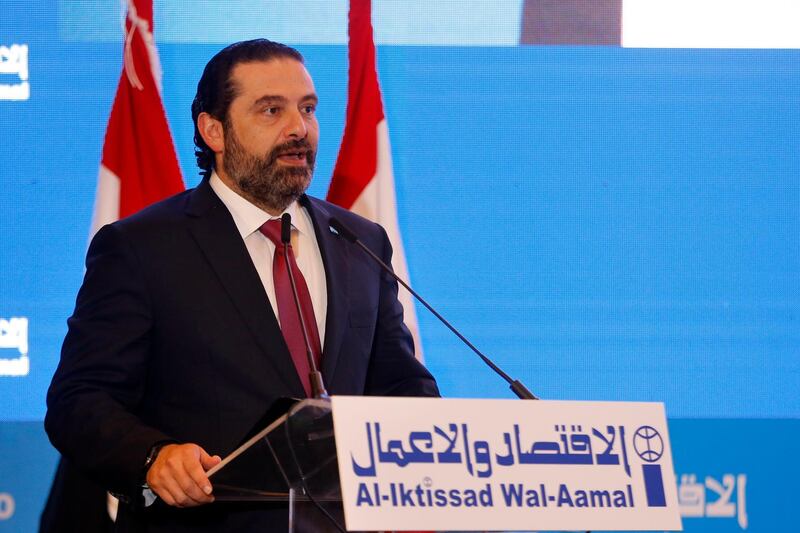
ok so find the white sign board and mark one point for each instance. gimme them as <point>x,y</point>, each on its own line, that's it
<point>475,465</point>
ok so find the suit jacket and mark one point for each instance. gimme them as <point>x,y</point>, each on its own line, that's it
<point>173,339</point>
<point>75,504</point>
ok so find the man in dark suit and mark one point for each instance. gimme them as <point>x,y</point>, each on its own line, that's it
<point>180,339</point>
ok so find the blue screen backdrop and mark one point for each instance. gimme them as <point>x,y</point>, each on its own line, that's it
<point>607,223</point>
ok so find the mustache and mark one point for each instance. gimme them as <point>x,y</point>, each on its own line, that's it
<point>292,146</point>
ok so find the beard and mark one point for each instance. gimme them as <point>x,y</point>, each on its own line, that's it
<point>261,179</point>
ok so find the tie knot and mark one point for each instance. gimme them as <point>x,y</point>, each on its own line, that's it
<point>272,231</point>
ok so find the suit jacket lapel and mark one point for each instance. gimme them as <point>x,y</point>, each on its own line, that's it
<point>335,258</point>
<point>215,232</point>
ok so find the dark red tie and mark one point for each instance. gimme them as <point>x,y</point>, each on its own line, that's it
<point>287,311</point>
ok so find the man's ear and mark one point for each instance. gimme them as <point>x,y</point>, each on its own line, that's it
<point>211,131</point>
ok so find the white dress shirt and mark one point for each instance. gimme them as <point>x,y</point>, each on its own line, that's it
<point>249,218</point>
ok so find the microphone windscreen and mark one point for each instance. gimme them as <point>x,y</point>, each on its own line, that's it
<point>286,228</point>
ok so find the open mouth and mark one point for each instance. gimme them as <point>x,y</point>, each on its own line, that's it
<point>294,155</point>
<point>297,153</point>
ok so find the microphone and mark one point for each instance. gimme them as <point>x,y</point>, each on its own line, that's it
<point>516,386</point>
<point>315,376</point>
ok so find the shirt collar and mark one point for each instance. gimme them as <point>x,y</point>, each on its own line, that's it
<point>249,217</point>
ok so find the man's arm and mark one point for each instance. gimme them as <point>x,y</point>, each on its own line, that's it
<point>93,398</point>
<point>100,378</point>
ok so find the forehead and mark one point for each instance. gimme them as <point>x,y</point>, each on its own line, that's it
<point>280,77</point>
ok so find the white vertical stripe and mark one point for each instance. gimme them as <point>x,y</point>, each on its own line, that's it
<point>106,200</point>
<point>378,203</point>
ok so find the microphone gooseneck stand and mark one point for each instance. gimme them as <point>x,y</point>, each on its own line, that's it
<point>318,390</point>
<point>315,376</point>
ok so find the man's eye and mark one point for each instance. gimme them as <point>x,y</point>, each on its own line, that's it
<point>309,109</point>
<point>271,111</point>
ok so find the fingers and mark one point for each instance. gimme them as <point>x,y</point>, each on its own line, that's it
<point>178,475</point>
<point>197,478</point>
<point>209,461</point>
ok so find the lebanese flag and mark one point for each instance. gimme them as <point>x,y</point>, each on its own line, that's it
<point>362,179</point>
<point>139,165</point>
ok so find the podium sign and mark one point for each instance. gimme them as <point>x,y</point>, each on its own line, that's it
<point>475,465</point>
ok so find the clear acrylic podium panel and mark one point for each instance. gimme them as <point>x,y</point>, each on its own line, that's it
<point>292,460</point>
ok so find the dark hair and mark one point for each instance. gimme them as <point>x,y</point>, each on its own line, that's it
<point>216,90</point>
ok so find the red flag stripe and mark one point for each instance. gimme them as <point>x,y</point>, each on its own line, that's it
<point>358,156</point>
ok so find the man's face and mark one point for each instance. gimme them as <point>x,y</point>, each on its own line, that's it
<point>271,133</point>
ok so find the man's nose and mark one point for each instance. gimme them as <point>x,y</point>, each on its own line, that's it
<point>295,125</point>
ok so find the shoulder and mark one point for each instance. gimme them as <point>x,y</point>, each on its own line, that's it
<point>159,216</point>
<point>173,214</point>
<point>161,228</point>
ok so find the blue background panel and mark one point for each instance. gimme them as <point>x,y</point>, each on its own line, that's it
<point>608,223</point>
<point>26,470</point>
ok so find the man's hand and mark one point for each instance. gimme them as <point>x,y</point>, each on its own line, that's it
<point>178,475</point>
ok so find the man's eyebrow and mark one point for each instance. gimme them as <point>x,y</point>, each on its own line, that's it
<point>270,99</point>
<point>278,99</point>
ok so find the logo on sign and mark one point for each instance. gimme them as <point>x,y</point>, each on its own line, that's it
<point>649,446</point>
<point>14,61</point>
<point>14,336</point>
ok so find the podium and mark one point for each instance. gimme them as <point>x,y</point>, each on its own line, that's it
<point>291,460</point>
<point>378,464</point>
